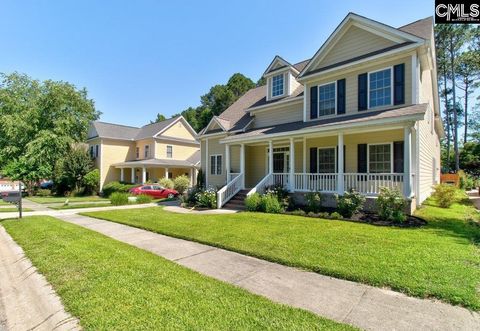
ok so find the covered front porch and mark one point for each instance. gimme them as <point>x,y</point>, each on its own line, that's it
<point>364,160</point>
<point>143,171</point>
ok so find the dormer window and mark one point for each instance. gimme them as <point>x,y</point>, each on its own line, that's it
<point>278,85</point>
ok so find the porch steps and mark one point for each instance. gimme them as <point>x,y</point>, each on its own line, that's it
<point>238,201</point>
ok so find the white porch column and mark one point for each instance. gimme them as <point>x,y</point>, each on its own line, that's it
<point>304,156</point>
<point>166,172</point>
<point>270,157</point>
<point>292,165</point>
<point>227,161</point>
<point>242,164</point>
<point>207,160</point>
<point>191,176</point>
<point>132,176</point>
<point>122,178</point>
<point>407,148</point>
<point>340,182</point>
<point>144,175</point>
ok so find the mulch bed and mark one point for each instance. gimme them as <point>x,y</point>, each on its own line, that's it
<point>374,219</point>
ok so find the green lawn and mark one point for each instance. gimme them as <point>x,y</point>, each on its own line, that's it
<point>45,200</point>
<point>81,205</point>
<point>111,285</point>
<point>440,260</point>
<point>13,209</point>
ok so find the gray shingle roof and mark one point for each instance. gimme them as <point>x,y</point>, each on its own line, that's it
<point>114,131</point>
<point>149,130</point>
<point>322,124</point>
<point>422,28</point>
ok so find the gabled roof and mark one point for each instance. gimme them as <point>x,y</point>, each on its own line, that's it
<point>396,35</point>
<point>422,28</point>
<point>277,63</point>
<point>151,130</point>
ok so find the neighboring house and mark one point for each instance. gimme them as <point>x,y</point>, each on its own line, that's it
<point>137,155</point>
<point>362,113</point>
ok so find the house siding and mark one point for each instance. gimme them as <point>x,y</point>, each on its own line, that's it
<point>178,130</point>
<point>114,151</point>
<point>351,80</point>
<point>181,151</point>
<point>215,148</point>
<point>281,115</point>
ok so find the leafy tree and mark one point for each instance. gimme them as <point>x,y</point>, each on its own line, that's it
<point>262,81</point>
<point>40,123</point>
<point>159,118</point>
<point>238,84</point>
<point>70,171</point>
<point>470,158</point>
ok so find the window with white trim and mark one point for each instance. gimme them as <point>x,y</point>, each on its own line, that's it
<point>147,151</point>
<point>380,88</point>
<point>137,152</point>
<point>216,164</point>
<point>97,150</point>
<point>326,99</point>
<point>92,155</point>
<point>380,158</point>
<point>277,85</point>
<point>169,151</point>
<point>326,160</point>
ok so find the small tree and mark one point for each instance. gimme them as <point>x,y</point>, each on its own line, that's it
<point>71,170</point>
<point>181,183</point>
<point>92,181</point>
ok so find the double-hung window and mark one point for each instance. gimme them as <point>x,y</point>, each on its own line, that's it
<point>326,99</point>
<point>326,160</point>
<point>215,164</point>
<point>147,150</point>
<point>97,150</point>
<point>92,155</point>
<point>380,158</point>
<point>169,151</point>
<point>277,85</point>
<point>380,88</point>
<point>137,152</point>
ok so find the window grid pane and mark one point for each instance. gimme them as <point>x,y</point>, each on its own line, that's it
<point>169,151</point>
<point>326,160</point>
<point>380,158</point>
<point>326,99</point>
<point>212,164</point>
<point>219,164</point>
<point>277,85</point>
<point>380,88</point>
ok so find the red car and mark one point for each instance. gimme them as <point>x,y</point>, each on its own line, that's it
<point>155,191</point>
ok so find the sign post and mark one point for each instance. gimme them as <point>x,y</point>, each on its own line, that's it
<point>20,200</point>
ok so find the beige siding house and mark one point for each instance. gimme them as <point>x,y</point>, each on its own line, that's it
<point>137,155</point>
<point>362,113</point>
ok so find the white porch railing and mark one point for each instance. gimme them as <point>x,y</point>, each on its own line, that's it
<point>232,176</point>
<point>229,190</point>
<point>324,182</point>
<point>281,179</point>
<point>370,184</point>
<point>261,185</point>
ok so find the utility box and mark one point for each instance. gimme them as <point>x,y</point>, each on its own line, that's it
<point>11,196</point>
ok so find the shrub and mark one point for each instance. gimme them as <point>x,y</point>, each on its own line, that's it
<point>191,197</point>
<point>349,203</point>
<point>314,201</point>
<point>181,183</point>
<point>336,216</point>
<point>166,183</point>
<point>445,195</point>
<point>143,198</point>
<point>298,212</point>
<point>119,198</point>
<point>270,204</point>
<point>112,187</point>
<point>43,192</point>
<point>253,202</point>
<point>323,215</point>
<point>92,181</point>
<point>207,198</point>
<point>391,205</point>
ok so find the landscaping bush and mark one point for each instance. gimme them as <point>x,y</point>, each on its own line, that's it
<point>191,198</point>
<point>391,205</point>
<point>91,182</point>
<point>298,212</point>
<point>445,195</point>
<point>336,216</point>
<point>349,203</point>
<point>314,201</point>
<point>112,187</point>
<point>119,198</point>
<point>143,198</point>
<point>43,192</point>
<point>253,202</point>
<point>181,184</point>
<point>207,198</point>
<point>166,183</point>
<point>270,204</point>
<point>281,193</point>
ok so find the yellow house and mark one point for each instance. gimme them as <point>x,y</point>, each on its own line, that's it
<point>361,113</point>
<point>137,155</point>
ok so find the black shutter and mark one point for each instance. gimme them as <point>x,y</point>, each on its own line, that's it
<point>313,102</point>
<point>398,157</point>
<point>341,96</point>
<point>362,158</point>
<point>362,92</point>
<point>313,160</point>
<point>399,84</point>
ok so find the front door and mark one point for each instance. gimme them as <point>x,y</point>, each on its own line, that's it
<point>280,162</point>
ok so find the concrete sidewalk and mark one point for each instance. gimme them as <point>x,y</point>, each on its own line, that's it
<point>348,302</point>
<point>27,301</point>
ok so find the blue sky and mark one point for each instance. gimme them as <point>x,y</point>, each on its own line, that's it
<point>137,58</point>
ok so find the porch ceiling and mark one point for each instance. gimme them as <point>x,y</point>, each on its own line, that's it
<point>366,118</point>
